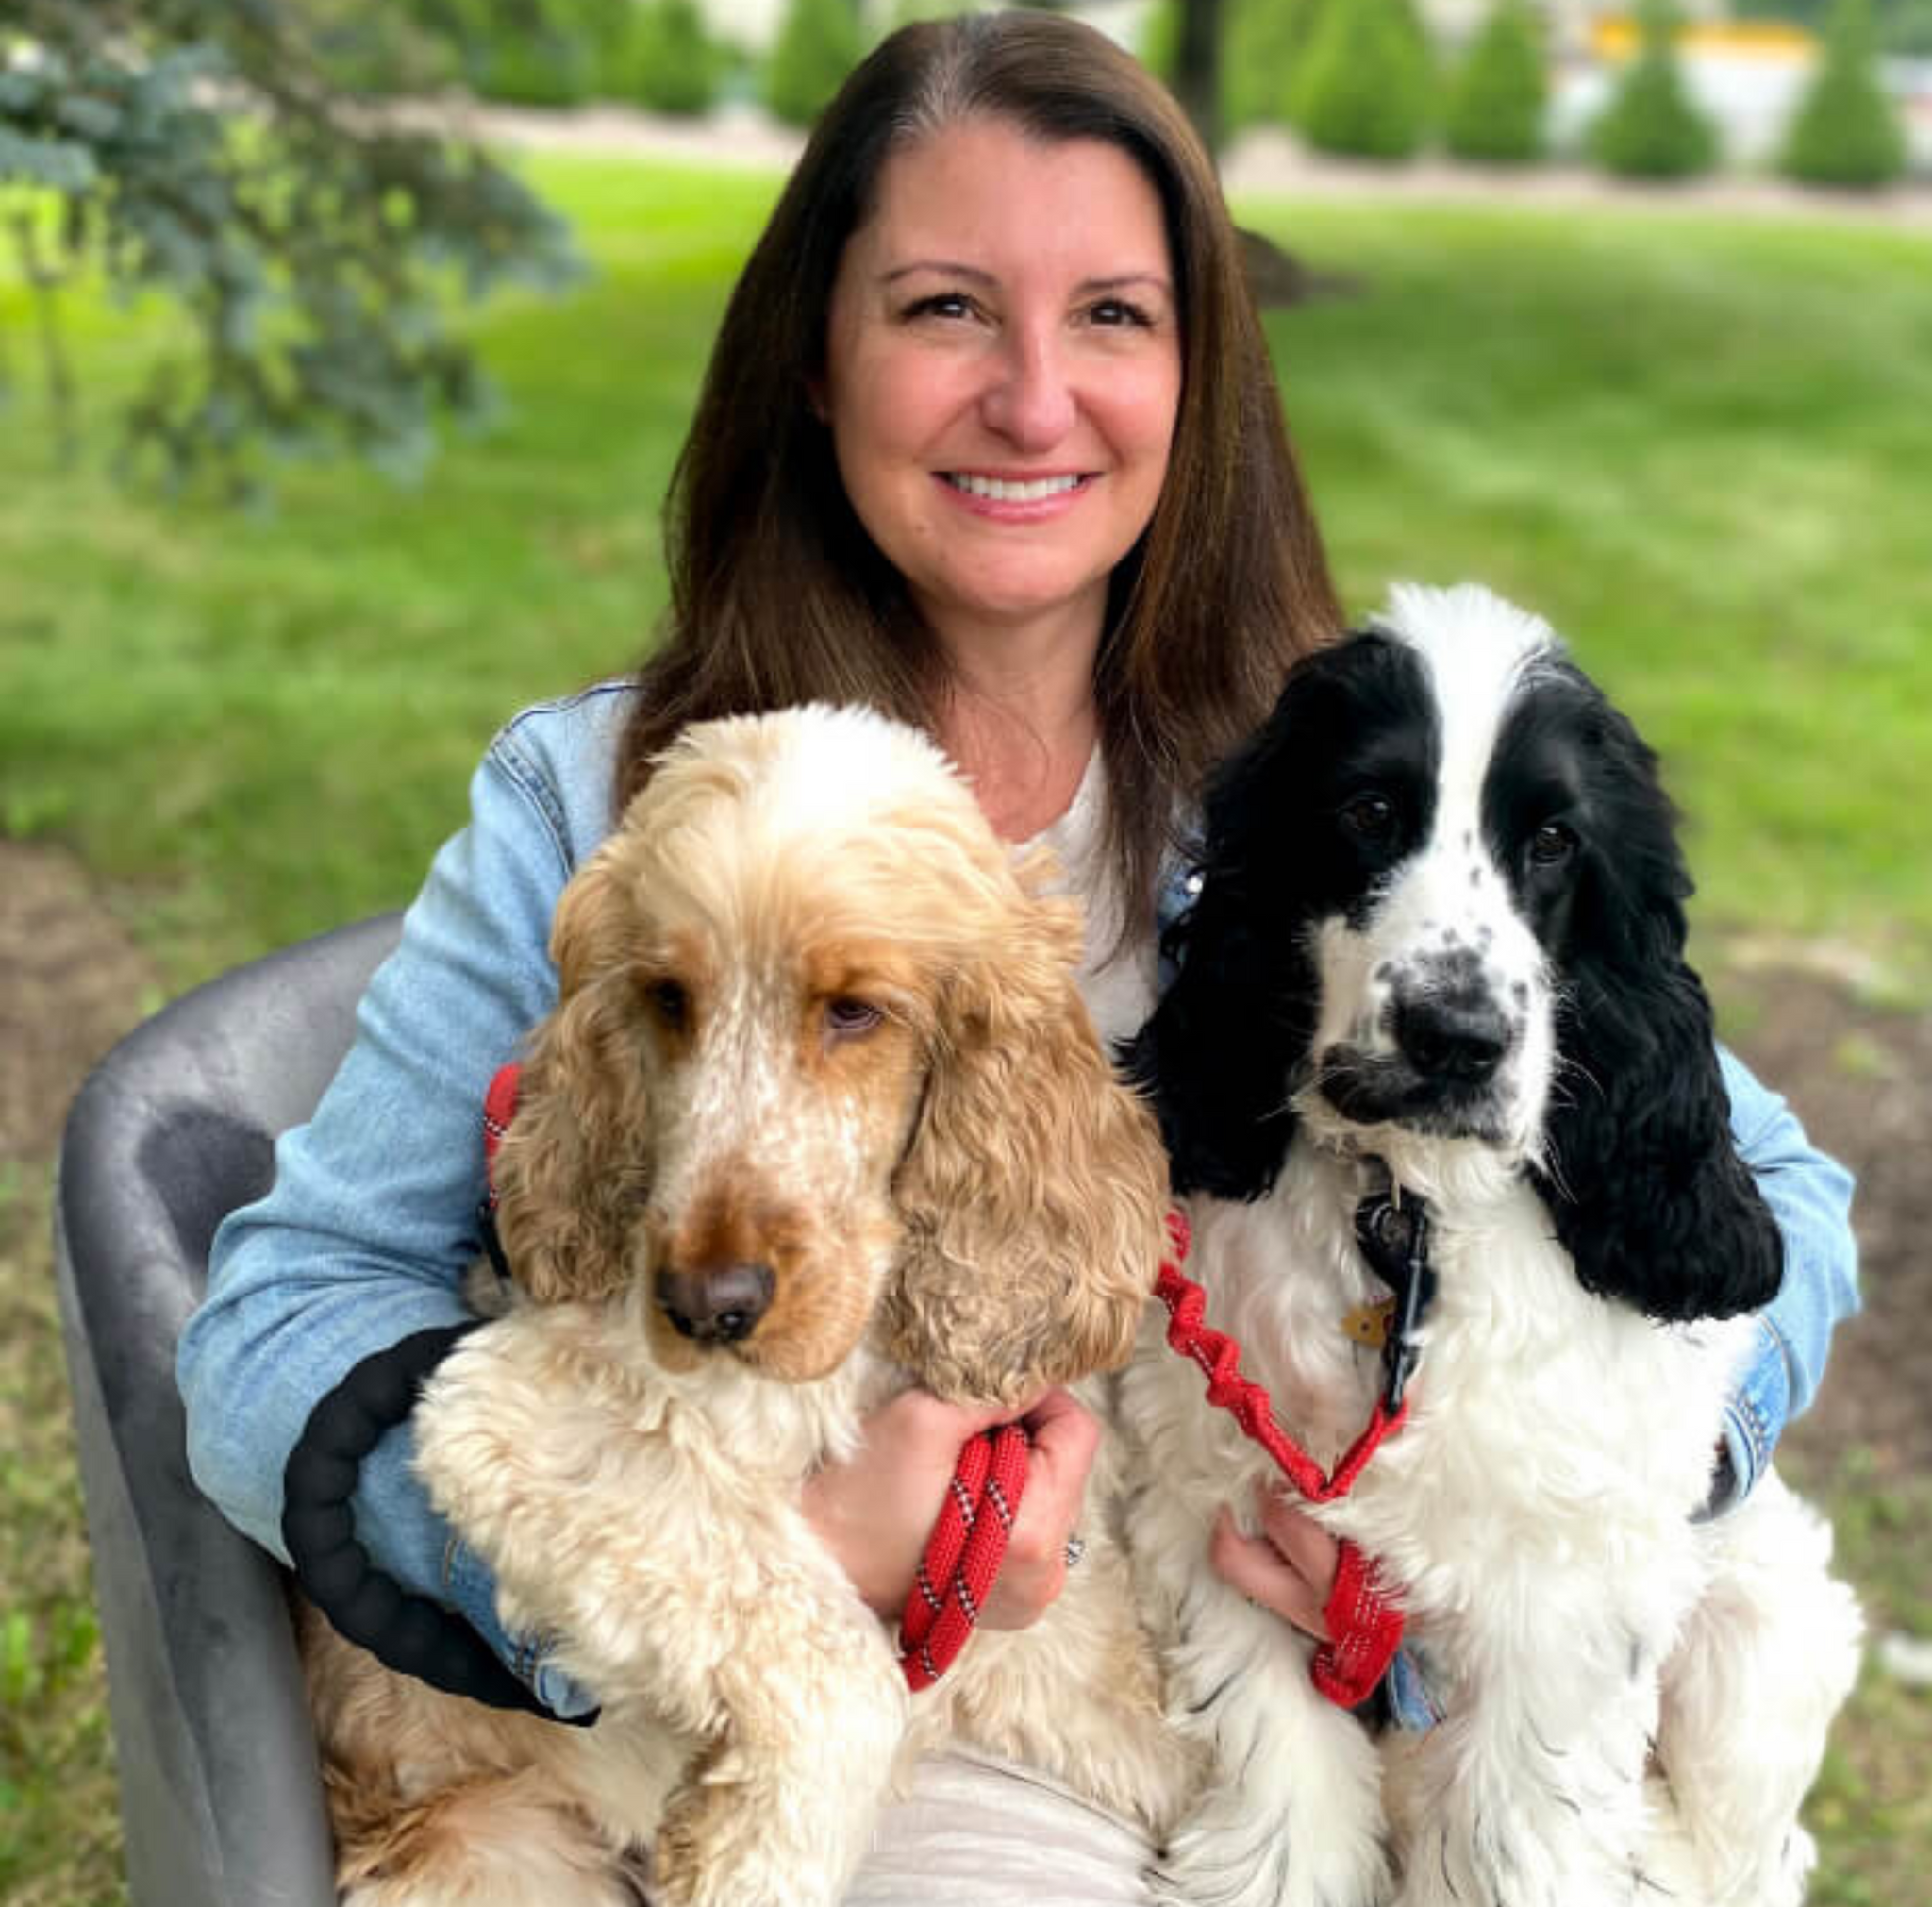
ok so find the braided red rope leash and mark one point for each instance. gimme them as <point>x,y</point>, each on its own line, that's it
<point>1363,1617</point>
<point>964,1554</point>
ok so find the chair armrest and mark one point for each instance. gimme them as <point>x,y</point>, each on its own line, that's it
<point>221,1789</point>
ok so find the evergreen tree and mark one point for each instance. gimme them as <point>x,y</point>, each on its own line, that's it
<point>1266,40</point>
<point>819,42</point>
<point>1497,100</point>
<point>1363,85</point>
<point>670,64</point>
<point>1846,131</point>
<point>1651,130</point>
<point>199,150</point>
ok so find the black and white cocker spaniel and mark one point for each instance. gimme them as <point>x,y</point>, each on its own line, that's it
<point>1438,957</point>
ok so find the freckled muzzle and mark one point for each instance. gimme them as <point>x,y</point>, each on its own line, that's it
<point>1435,1057</point>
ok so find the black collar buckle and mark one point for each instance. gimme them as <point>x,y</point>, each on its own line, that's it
<point>1393,1234</point>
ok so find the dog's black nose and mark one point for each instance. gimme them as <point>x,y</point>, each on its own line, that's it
<point>720,1305</point>
<point>1453,1039</point>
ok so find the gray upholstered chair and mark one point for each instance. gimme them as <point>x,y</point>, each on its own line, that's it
<point>220,1790</point>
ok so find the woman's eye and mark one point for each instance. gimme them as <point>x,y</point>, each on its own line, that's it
<point>941,305</point>
<point>1552,844</point>
<point>670,1002</point>
<point>1369,817</point>
<point>1117,313</point>
<point>847,1018</point>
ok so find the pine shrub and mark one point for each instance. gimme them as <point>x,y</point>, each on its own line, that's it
<point>819,42</point>
<point>1651,128</point>
<point>670,63</point>
<point>1846,132</point>
<point>1265,43</point>
<point>1494,112</point>
<point>543,54</point>
<point>1364,84</point>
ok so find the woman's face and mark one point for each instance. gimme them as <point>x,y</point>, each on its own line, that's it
<point>1003,369</point>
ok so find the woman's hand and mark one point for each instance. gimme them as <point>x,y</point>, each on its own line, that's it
<point>875,1512</point>
<point>1289,1568</point>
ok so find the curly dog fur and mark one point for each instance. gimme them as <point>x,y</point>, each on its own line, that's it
<point>1439,943</point>
<point>818,1046</point>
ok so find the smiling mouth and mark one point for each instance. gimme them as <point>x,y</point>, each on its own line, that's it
<point>1003,490</point>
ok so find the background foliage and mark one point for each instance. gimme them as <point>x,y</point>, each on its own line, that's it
<point>1366,81</point>
<point>195,148</point>
<point>1497,98</point>
<point>1846,131</point>
<point>1651,128</point>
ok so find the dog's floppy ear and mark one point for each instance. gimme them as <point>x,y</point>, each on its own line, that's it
<point>1220,1055</point>
<point>566,1179</point>
<point>1034,1191</point>
<point>1641,1177</point>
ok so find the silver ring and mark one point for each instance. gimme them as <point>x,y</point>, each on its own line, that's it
<point>1076,1548</point>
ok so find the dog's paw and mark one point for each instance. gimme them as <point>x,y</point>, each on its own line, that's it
<point>1270,1861</point>
<point>719,1845</point>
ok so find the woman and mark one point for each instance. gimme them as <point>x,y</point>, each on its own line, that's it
<point>989,440</point>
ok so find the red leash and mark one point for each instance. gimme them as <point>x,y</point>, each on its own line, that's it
<point>1364,1619</point>
<point>964,1553</point>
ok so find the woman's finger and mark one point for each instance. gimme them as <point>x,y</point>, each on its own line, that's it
<point>1307,1549</point>
<point>1259,1571</point>
<point>1064,1435</point>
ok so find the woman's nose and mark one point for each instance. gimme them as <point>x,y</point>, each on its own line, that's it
<point>1030,402</point>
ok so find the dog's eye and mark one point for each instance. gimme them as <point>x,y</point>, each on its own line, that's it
<point>1552,843</point>
<point>847,1018</point>
<point>1369,817</point>
<point>670,1002</point>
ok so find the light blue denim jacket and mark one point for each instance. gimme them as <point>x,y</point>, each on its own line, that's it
<point>368,1229</point>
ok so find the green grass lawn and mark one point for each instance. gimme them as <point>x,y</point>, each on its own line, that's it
<point>1701,448</point>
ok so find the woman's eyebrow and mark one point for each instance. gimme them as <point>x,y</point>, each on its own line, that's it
<point>1120,282</point>
<point>951,268</point>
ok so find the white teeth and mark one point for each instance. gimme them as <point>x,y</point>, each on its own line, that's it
<point>998,491</point>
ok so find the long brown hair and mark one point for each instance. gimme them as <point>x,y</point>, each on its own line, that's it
<point>778,596</point>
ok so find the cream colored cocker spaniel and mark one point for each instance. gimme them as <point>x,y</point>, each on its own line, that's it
<point>819,1116</point>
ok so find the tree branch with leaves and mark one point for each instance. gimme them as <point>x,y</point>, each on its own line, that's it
<point>316,242</point>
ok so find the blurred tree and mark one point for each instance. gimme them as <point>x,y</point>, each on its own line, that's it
<point>1651,128</point>
<point>1902,26</point>
<point>670,65</point>
<point>1845,131</point>
<point>1195,80</point>
<point>1364,84</point>
<point>194,147</point>
<point>1266,40</point>
<point>819,42</point>
<point>1500,91</point>
<point>1905,29</point>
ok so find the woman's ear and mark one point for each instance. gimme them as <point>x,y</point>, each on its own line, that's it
<point>1034,1192</point>
<point>566,1171</point>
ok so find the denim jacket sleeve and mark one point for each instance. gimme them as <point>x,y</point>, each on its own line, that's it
<point>366,1233</point>
<point>1810,1197</point>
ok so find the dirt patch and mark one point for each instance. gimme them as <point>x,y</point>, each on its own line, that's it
<point>72,982</point>
<point>1861,1080</point>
